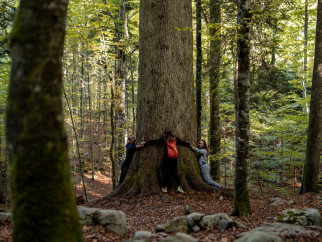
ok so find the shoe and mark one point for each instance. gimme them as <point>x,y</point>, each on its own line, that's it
<point>180,189</point>
<point>164,189</point>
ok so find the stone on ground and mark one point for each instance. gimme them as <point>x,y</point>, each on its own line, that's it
<point>179,237</point>
<point>304,217</point>
<point>112,219</point>
<point>258,236</point>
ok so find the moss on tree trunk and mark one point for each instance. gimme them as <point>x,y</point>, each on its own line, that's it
<point>310,182</point>
<point>43,202</point>
<point>241,197</point>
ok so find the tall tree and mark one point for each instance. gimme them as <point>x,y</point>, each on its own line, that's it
<point>120,116</point>
<point>165,94</point>
<point>43,203</point>
<point>198,67</point>
<point>241,195</point>
<point>314,139</point>
<point>214,77</point>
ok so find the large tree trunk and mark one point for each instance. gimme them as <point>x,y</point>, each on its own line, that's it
<point>165,95</point>
<point>241,195</point>
<point>314,142</point>
<point>214,77</point>
<point>43,203</point>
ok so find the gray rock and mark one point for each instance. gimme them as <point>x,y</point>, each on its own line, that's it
<point>179,237</point>
<point>276,201</point>
<point>5,216</point>
<point>258,236</point>
<point>286,230</point>
<point>225,224</point>
<point>143,235</point>
<point>111,219</point>
<point>212,221</point>
<point>175,225</point>
<point>194,222</point>
<point>304,216</point>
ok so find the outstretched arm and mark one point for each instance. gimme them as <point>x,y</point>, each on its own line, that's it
<point>183,143</point>
<point>200,151</point>
<point>155,141</point>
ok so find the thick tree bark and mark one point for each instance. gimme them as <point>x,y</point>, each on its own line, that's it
<point>241,195</point>
<point>165,95</point>
<point>198,68</point>
<point>43,203</point>
<point>214,77</point>
<point>314,139</point>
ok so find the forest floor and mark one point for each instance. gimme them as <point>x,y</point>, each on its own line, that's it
<point>145,213</point>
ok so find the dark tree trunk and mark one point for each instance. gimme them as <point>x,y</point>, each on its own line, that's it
<point>165,95</point>
<point>43,203</point>
<point>214,77</point>
<point>314,140</point>
<point>241,195</point>
<point>198,68</point>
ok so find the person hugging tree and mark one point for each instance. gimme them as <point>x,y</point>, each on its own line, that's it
<point>169,158</point>
<point>202,152</point>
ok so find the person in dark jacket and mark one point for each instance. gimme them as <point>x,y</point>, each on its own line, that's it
<point>131,147</point>
<point>202,153</point>
<point>169,164</point>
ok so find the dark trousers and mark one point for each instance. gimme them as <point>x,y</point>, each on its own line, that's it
<point>170,167</point>
<point>124,169</point>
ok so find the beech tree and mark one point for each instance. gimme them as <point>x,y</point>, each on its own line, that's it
<point>310,182</point>
<point>214,76</point>
<point>43,203</point>
<point>241,195</point>
<point>165,95</point>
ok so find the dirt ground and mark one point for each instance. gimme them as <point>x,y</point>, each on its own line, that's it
<point>144,213</point>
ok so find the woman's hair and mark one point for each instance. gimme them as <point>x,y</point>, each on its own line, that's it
<point>167,134</point>
<point>205,146</point>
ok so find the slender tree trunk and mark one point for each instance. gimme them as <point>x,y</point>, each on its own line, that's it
<point>198,68</point>
<point>314,140</point>
<point>77,145</point>
<point>214,76</point>
<point>98,129</point>
<point>43,202</point>
<point>165,95</point>
<point>120,87</point>
<point>306,25</point>
<point>90,131</point>
<point>241,195</point>
<point>131,69</point>
<point>112,157</point>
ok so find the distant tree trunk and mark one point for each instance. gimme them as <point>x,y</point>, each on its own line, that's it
<point>98,128</point>
<point>113,161</point>
<point>214,76</point>
<point>131,68</point>
<point>198,68</point>
<point>241,195</point>
<point>81,111</point>
<point>90,127</point>
<point>314,139</point>
<point>306,26</point>
<point>120,87</point>
<point>43,203</point>
<point>165,95</point>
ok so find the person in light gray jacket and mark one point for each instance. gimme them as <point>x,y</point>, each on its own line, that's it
<point>202,152</point>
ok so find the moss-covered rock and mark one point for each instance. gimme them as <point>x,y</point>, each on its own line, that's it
<point>304,217</point>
